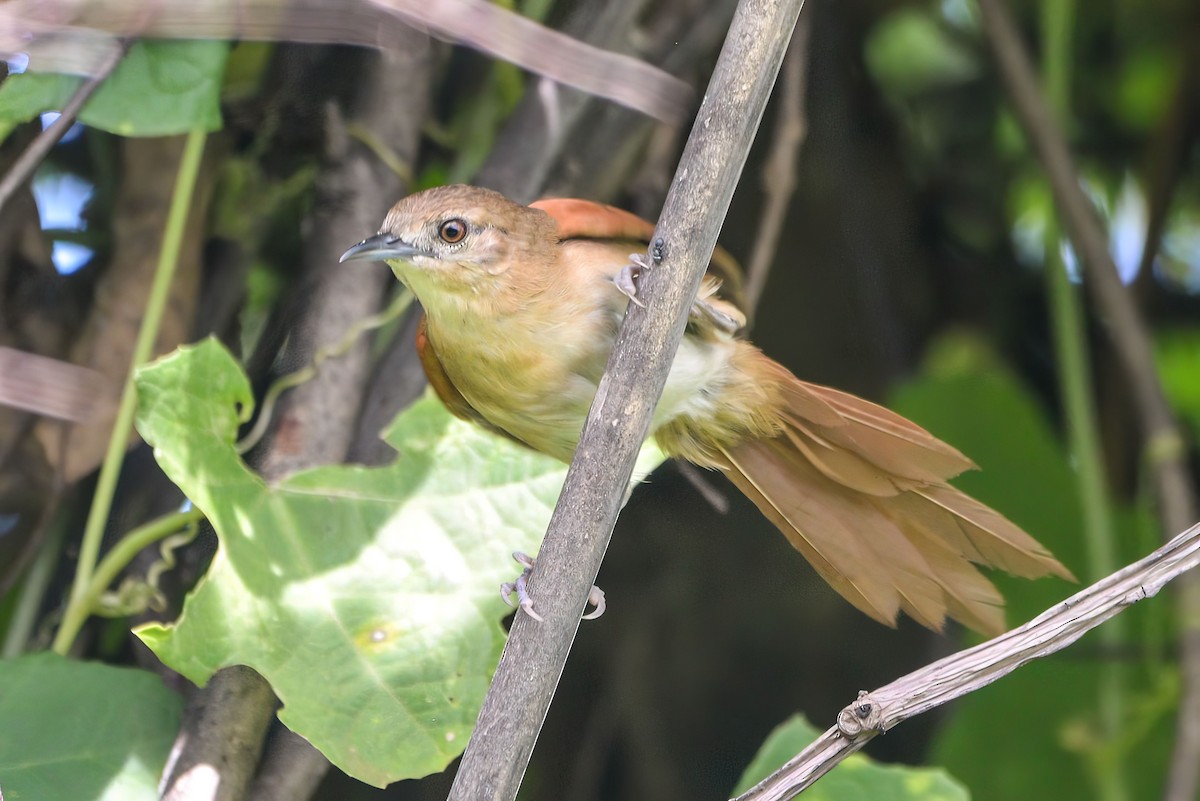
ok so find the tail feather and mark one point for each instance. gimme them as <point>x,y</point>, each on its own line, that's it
<point>863,496</point>
<point>856,539</point>
<point>841,465</point>
<point>884,438</point>
<point>970,598</point>
<point>984,535</point>
<point>835,554</point>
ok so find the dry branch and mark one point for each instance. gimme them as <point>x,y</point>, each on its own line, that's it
<point>316,422</point>
<point>953,677</point>
<point>596,483</point>
<point>79,39</point>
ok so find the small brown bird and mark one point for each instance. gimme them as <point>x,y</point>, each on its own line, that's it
<point>522,307</point>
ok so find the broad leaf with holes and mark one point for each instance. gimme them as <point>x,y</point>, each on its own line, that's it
<point>367,597</point>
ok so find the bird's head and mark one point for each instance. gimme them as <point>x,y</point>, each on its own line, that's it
<point>460,241</point>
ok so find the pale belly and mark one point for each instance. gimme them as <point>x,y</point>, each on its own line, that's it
<point>544,404</point>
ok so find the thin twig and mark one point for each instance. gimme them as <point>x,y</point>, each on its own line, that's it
<point>533,659</point>
<point>1165,447</point>
<point>962,673</point>
<point>779,170</point>
<point>78,606</point>
<point>324,353</point>
<point>25,165</point>
<point>1168,154</point>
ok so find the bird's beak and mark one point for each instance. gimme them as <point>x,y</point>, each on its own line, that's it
<point>381,247</point>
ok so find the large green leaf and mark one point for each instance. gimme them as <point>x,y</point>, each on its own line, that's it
<point>1177,354</point>
<point>367,597</point>
<point>159,88</point>
<point>81,730</point>
<point>856,778</point>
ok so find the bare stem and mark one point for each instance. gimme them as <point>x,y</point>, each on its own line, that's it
<point>78,605</point>
<point>962,673</point>
<point>516,704</point>
<point>1079,408</point>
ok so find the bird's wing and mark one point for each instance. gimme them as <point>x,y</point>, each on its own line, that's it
<point>720,303</point>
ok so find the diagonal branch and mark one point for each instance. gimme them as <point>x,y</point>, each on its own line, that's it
<point>533,659</point>
<point>962,673</point>
<point>1165,447</point>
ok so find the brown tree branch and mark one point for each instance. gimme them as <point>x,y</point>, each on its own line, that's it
<point>597,481</point>
<point>959,674</point>
<point>779,170</point>
<point>1165,446</point>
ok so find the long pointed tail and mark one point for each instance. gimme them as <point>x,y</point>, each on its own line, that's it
<point>862,494</point>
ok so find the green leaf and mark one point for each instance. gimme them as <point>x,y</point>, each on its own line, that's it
<point>1145,85</point>
<point>367,597</point>
<point>160,88</point>
<point>1177,354</point>
<point>82,730</point>
<point>856,778</point>
<point>910,52</point>
<point>28,94</point>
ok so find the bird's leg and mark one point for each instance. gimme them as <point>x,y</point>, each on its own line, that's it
<point>626,280</point>
<point>708,314</point>
<point>519,587</point>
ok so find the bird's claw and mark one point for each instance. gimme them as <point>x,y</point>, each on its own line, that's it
<point>525,602</point>
<point>596,599</point>
<point>705,311</point>
<point>626,280</point>
<point>520,586</point>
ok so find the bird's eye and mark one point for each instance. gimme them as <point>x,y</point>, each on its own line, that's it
<point>452,231</point>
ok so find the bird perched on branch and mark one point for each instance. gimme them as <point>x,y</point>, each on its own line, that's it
<point>522,307</point>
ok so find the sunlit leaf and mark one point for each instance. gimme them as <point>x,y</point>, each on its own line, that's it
<point>367,597</point>
<point>910,51</point>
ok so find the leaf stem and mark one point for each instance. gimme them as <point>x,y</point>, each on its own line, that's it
<point>93,534</point>
<point>32,591</point>
<point>113,563</point>
<point>1075,382</point>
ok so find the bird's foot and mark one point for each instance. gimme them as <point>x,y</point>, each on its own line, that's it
<point>520,589</point>
<point>710,314</point>
<point>626,280</point>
